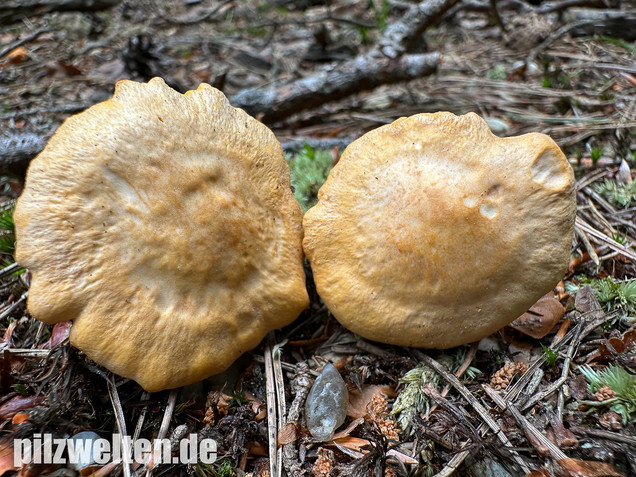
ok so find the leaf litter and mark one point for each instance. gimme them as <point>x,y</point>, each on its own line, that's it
<point>559,402</point>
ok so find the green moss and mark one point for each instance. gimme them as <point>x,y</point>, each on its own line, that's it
<point>499,72</point>
<point>613,295</point>
<point>309,169</point>
<point>623,195</point>
<point>7,230</point>
<point>621,382</point>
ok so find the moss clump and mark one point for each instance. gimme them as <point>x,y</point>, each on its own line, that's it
<point>623,195</point>
<point>309,169</point>
<point>7,229</point>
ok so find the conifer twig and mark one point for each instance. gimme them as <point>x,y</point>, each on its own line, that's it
<point>524,424</point>
<point>476,405</point>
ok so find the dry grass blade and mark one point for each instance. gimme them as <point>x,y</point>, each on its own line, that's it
<point>613,436</point>
<point>165,422</point>
<point>272,418</point>
<point>470,356</point>
<point>25,353</point>
<point>605,239</point>
<point>121,423</point>
<point>9,269</point>
<point>280,397</point>
<point>589,248</point>
<point>7,311</point>
<point>142,417</point>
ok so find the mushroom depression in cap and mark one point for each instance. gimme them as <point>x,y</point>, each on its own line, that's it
<point>165,227</point>
<point>432,232</point>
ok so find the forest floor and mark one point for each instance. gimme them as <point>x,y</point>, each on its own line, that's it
<point>553,395</point>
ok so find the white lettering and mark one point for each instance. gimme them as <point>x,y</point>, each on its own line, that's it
<point>101,451</point>
<point>21,452</point>
<point>207,451</point>
<point>162,451</point>
<point>60,447</point>
<point>142,450</point>
<point>79,450</point>
<point>44,449</point>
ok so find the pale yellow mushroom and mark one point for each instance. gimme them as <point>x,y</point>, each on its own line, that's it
<point>164,226</point>
<point>432,232</point>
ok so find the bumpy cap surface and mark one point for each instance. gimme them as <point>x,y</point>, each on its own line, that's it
<point>433,232</point>
<point>164,225</point>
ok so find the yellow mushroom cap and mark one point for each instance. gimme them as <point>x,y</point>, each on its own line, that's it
<point>164,226</point>
<point>432,232</point>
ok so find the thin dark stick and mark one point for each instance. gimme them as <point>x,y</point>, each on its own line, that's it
<point>24,40</point>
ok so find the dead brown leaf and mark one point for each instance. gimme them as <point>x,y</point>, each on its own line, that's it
<point>586,468</point>
<point>360,399</point>
<point>288,433</point>
<point>17,404</point>
<point>257,406</point>
<point>61,69</point>
<point>539,320</point>
<point>58,335</point>
<point>405,459</point>
<point>354,443</point>
<point>17,55</point>
<point>578,387</point>
<point>619,344</point>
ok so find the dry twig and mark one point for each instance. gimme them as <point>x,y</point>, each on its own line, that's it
<point>273,416</point>
<point>301,384</point>
<point>165,422</point>
<point>524,424</point>
<point>23,41</point>
<point>476,405</point>
<point>121,423</point>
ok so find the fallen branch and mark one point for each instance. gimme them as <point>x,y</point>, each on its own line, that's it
<point>17,150</point>
<point>13,12</point>
<point>271,104</point>
<point>485,6</point>
<point>616,23</point>
<point>299,143</point>
<point>380,66</point>
<point>559,6</point>
<point>385,64</point>
<point>300,386</point>
<point>401,36</point>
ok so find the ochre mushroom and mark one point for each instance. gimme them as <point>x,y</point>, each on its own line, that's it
<point>433,232</point>
<point>165,227</point>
